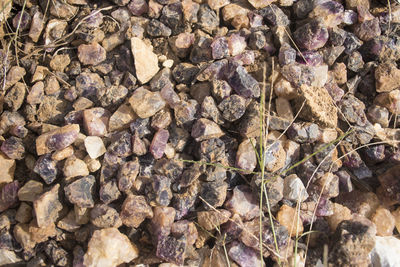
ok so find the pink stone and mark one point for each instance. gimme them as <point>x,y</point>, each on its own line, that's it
<point>138,7</point>
<point>95,121</point>
<point>158,143</point>
<point>237,44</point>
<point>243,202</point>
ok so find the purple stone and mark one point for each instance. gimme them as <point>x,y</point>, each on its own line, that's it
<point>324,207</point>
<point>9,195</point>
<point>255,19</point>
<point>13,147</point>
<point>311,36</point>
<point>121,144</point>
<point>350,17</point>
<point>375,154</point>
<point>311,58</point>
<point>219,47</point>
<point>334,91</point>
<point>215,70</point>
<point>287,55</point>
<point>158,143</point>
<point>243,255</point>
<point>245,58</point>
<point>138,7</point>
<point>242,82</point>
<point>237,44</point>
<point>25,21</point>
<point>172,249</point>
<point>45,166</point>
<point>345,184</point>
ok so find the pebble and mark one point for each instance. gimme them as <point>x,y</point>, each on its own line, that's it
<point>13,147</point>
<point>159,142</point>
<point>244,255</point>
<point>46,167</point>
<point>109,247</point>
<point>103,216</point>
<point>56,139</point>
<point>146,62</point>
<point>91,54</point>
<point>15,96</point>
<point>60,61</point>
<point>94,146</point>
<point>204,129</point>
<point>74,167</point>
<point>340,213</point>
<point>246,158</point>
<point>30,191</point>
<point>384,221</point>
<point>47,206</point>
<point>15,74</point>
<point>288,216</point>
<point>146,103</point>
<point>80,192</point>
<point>135,210</point>
<point>243,202</point>
<point>387,77</point>
<point>294,189</point>
<point>385,248</point>
<point>233,107</point>
<point>95,121</point>
<point>212,219</point>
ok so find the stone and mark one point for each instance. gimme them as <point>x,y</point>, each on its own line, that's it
<point>290,218</point>
<point>368,29</point>
<point>378,114</point>
<point>138,7</point>
<point>30,191</point>
<point>390,183</point>
<point>8,195</point>
<point>172,249</point>
<point>284,89</point>
<point>389,100</point>
<point>213,193</point>
<point>108,247</point>
<point>207,19</point>
<point>56,139</point>
<point>243,202</point>
<point>135,210</point>
<point>246,158</point>
<point>37,26</point>
<point>304,132</point>
<point>311,36</point>
<point>204,129</point>
<point>387,77</point>
<point>235,15</point>
<point>13,147</point>
<point>340,213</point>
<point>109,191</point>
<point>47,207</point>
<point>146,103</point>
<point>127,174</point>
<point>59,62</point>
<point>217,4</point>
<point>157,146</point>
<point>45,166</point>
<point>162,221</point>
<point>146,62</point>
<point>15,96</point>
<point>244,255</point>
<point>185,113</point>
<point>36,94</point>
<point>212,219</point>
<point>74,167</point>
<point>236,44</point>
<point>294,189</point>
<point>15,74</point>
<point>80,192</point>
<point>185,73</point>
<point>155,28</point>
<point>161,119</point>
<point>385,248</point>
<point>63,153</point>
<point>353,241</point>
<point>94,146</point>
<point>233,107</point>
<point>89,84</point>
<point>95,121</point>
<point>121,118</point>
<point>91,54</point>
<point>384,221</point>
<point>244,84</point>
<point>219,47</point>
<point>260,3</point>
<point>104,216</point>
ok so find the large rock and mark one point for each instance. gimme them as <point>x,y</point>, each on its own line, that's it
<point>109,248</point>
<point>146,62</point>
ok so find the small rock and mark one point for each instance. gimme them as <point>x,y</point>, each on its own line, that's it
<point>172,249</point>
<point>95,121</point>
<point>243,202</point>
<point>56,139</point>
<point>121,118</point>
<point>387,77</point>
<point>385,248</point>
<point>212,219</point>
<point>244,255</point>
<point>63,153</point>
<point>378,114</point>
<point>14,75</point>
<point>368,29</point>
<point>109,191</point>
<point>138,7</point>
<point>47,207</point>
<point>236,15</point>
<point>127,174</point>
<point>103,216</point>
<point>390,183</point>
<point>220,47</point>
<point>384,221</point>
<point>236,44</point>
<point>185,73</point>
<point>135,210</point>
<point>156,28</point>
<point>186,113</point>
<point>13,147</point>
<point>108,247</point>
<point>30,191</point>
<point>289,217</point>
<point>75,167</point>
<point>8,195</point>
<point>246,158</point>
<point>162,221</point>
<point>15,97</point>
<point>146,103</point>
<point>158,143</point>
<point>80,192</point>
<point>340,213</point>
<point>36,94</point>
<point>45,166</point>
<point>94,146</point>
<point>389,100</point>
<point>213,193</point>
<point>311,36</point>
<point>146,62</point>
<point>233,107</point>
<point>242,82</point>
<point>304,132</point>
<point>59,62</point>
<point>294,189</point>
<point>37,26</point>
<point>204,129</point>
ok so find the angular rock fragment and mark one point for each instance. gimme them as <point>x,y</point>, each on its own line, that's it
<point>204,129</point>
<point>74,167</point>
<point>94,146</point>
<point>212,219</point>
<point>95,121</point>
<point>146,62</point>
<point>127,174</point>
<point>47,206</point>
<point>233,107</point>
<point>146,103</point>
<point>80,192</point>
<point>135,210</point>
<point>242,82</point>
<point>246,158</point>
<point>103,216</point>
<point>243,202</point>
<point>108,247</point>
<point>57,139</point>
<point>45,166</point>
<point>30,191</point>
<point>157,146</point>
<point>13,147</point>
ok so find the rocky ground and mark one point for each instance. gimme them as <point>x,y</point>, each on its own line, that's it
<point>199,133</point>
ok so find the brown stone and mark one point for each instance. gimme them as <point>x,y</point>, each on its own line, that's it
<point>7,168</point>
<point>47,207</point>
<point>288,216</point>
<point>387,77</point>
<point>146,62</point>
<point>384,221</point>
<point>212,219</point>
<point>135,210</point>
